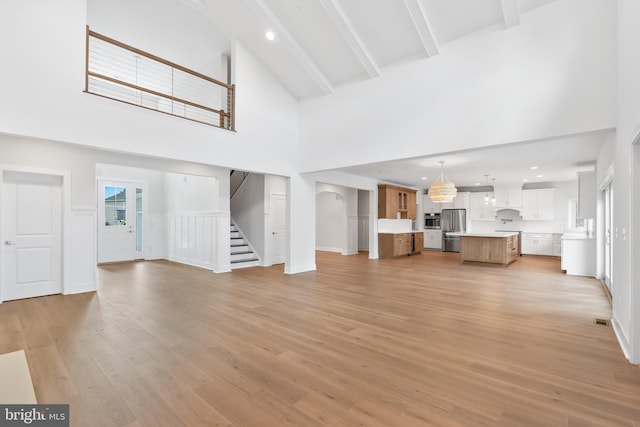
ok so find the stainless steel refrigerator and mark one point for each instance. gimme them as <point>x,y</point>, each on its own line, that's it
<point>452,220</point>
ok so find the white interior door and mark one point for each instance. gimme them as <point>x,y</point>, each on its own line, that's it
<point>278,225</point>
<point>31,235</point>
<point>120,220</point>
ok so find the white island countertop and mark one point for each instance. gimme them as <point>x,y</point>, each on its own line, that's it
<point>487,234</point>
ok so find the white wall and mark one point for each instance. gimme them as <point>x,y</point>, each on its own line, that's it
<point>192,194</point>
<point>199,48</point>
<point>552,75</point>
<point>83,164</point>
<point>336,218</point>
<point>626,281</point>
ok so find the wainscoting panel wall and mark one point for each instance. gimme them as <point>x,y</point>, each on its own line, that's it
<point>201,240</point>
<point>191,239</point>
<point>352,236</point>
<point>363,232</point>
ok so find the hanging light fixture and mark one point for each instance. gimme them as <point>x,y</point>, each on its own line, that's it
<point>493,194</point>
<point>442,190</point>
<point>486,192</point>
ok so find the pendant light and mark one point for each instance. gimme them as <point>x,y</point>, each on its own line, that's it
<point>493,195</point>
<point>442,190</point>
<point>486,192</point>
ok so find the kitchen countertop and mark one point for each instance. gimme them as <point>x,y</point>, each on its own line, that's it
<point>488,234</point>
<point>400,232</point>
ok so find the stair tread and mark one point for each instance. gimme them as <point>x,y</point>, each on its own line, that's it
<point>235,261</point>
<point>241,253</point>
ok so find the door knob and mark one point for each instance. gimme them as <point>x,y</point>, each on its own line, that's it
<point>8,242</point>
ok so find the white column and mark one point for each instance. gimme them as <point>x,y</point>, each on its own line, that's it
<point>301,222</point>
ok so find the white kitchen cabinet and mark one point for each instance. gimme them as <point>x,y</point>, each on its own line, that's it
<point>537,205</point>
<point>461,201</point>
<point>433,239</point>
<point>478,210</point>
<point>508,197</point>
<point>430,207</point>
<point>578,256</point>
<point>537,244</point>
<point>586,195</point>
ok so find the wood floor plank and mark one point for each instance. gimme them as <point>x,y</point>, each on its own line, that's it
<point>414,341</point>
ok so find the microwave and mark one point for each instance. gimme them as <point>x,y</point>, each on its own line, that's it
<point>432,221</point>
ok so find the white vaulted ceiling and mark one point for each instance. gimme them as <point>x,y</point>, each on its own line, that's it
<point>321,44</point>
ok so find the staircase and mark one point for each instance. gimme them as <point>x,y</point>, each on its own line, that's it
<point>242,254</point>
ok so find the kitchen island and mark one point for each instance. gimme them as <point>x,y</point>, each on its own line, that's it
<point>495,248</point>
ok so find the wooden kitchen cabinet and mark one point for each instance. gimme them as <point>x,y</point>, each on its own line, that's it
<point>399,244</point>
<point>419,243</point>
<point>393,200</point>
<point>494,250</point>
<point>412,205</point>
<point>429,206</point>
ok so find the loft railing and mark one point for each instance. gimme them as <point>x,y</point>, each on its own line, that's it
<point>118,71</point>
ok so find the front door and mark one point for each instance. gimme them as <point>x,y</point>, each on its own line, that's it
<point>278,225</point>
<point>120,217</point>
<point>31,235</point>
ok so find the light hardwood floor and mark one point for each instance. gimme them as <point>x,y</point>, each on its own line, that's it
<point>416,341</point>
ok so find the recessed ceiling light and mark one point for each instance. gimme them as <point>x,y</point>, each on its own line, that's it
<point>533,168</point>
<point>525,180</point>
<point>424,178</point>
<point>270,35</point>
<point>539,176</point>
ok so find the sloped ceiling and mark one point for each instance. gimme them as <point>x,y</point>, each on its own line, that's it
<point>321,44</point>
